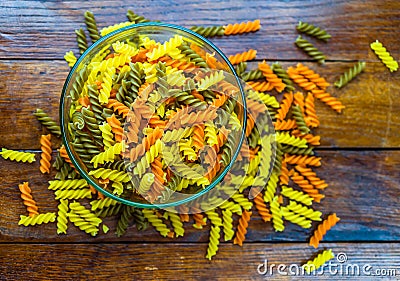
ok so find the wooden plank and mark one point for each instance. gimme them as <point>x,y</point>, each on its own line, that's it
<point>370,119</point>
<point>187,262</point>
<point>36,29</point>
<point>364,188</point>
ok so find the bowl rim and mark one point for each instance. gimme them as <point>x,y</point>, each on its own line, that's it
<point>86,176</point>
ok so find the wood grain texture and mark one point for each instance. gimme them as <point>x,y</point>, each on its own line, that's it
<point>186,262</point>
<point>363,192</point>
<point>370,119</point>
<point>40,29</point>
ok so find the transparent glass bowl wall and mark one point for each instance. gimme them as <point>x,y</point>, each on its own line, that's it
<point>160,33</point>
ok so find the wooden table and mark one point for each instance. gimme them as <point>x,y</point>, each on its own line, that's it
<point>360,148</point>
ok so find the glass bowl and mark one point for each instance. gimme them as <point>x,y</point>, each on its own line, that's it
<point>82,140</point>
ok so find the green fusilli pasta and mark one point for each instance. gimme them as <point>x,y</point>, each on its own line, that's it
<point>91,26</point>
<point>208,31</point>
<point>384,55</point>
<point>81,39</point>
<point>313,31</point>
<point>62,219</point>
<point>310,49</point>
<point>48,122</point>
<point>350,74</point>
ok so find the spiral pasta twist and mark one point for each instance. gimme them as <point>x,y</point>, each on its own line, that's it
<point>329,100</point>
<point>297,151</point>
<point>37,219</point>
<point>45,158</point>
<point>26,195</point>
<point>109,211</point>
<point>91,26</point>
<point>190,100</point>
<point>145,183</point>
<point>18,156</point>
<point>262,207</point>
<point>242,201</point>
<point>210,80</point>
<point>109,154</point>
<point>116,128</point>
<point>297,195</point>
<point>156,222</point>
<point>192,56</point>
<point>285,125</point>
<point>243,27</point>
<point>82,224</point>
<point>311,115</point>
<point>318,261</point>
<point>48,122</point>
<point>300,79</point>
<point>281,73</point>
<point>148,158</point>
<point>208,31</point>
<point>287,138</point>
<point>67,184</point>
<point>322,229</point>
<point>62,219</point>
<point>227,224</point>
<point>165,48</point>
<point>310,49</point>
<point>110,174</point>
<point>70,58</point>
<point>271,187</point>
<point>252,75</point>
<point>295,218</point>
<point>242,57</point>
<point>73,194</point>
<point>124,220</point>
<point>81,39</point>
<point>384,55</point>
<point>87,215</point>
<point>242,228</point>
<point>108,137</point>
<point>135,18</point>
<point>126,49</point>
<point>176,223</point>
<point>312,76</point>
<point>271,77</point>
<point>312,30</point>
<point>304,211</point>
<point>308,188</point>
<point>299,118</point>
<point>350,74</point>
<point>118,107</point>
<point>285,106</point>
<point>276,213</point>
<point>214,241</point>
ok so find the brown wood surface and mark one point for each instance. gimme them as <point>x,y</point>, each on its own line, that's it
<point>360,148</point>
<point>171,261</point>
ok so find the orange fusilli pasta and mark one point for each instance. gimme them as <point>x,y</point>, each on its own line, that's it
<point>242,228</point>
<point>242,57</point>
<point>243,27</point>
<point>45,158</point>
<point>322,229</point>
